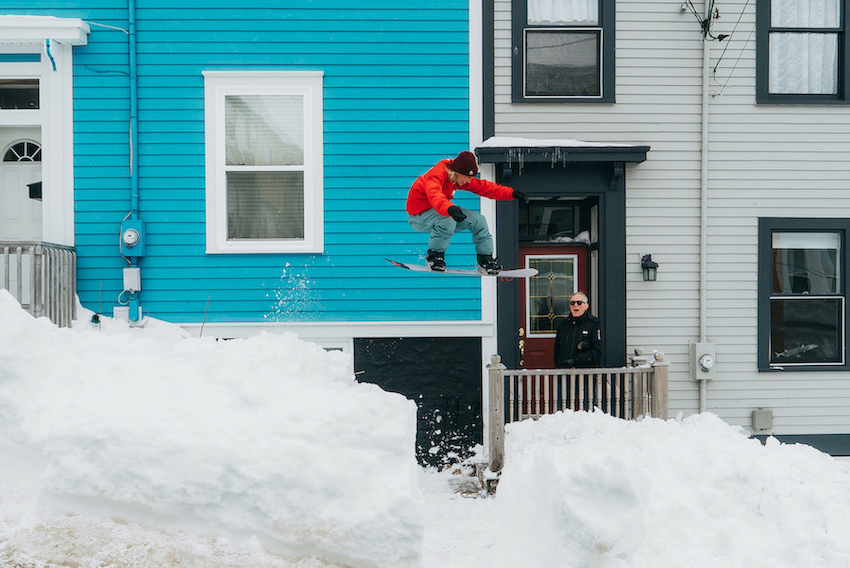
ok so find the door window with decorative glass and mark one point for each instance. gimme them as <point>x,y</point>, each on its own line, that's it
<point>549,292</point>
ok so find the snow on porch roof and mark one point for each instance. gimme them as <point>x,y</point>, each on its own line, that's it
<point>499,149</point>
<point>15,29</point>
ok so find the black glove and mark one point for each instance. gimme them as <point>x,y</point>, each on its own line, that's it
<point>583,345</point>
<point>570,363</point>
<point>520,194</point>
<point>456,213</point>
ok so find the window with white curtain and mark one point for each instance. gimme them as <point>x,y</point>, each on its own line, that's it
<point>802,51</point>
<point>264,162</point>
<point>563,50</point>
<point>802,319</point>
<point>563,12</point>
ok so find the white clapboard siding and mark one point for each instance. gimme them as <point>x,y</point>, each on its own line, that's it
<point>765,161</point>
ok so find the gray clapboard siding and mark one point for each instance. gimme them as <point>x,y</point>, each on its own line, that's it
<point>765,161</point>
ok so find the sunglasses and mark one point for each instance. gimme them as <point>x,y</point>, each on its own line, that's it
<point>576,302</point>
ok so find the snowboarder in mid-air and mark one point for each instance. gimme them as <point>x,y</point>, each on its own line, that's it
<point>430,210</point>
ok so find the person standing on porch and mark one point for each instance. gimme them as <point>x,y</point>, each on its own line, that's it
<point>578,339</point>
<point>430,210</point>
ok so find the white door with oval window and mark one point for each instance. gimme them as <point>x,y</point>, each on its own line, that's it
<point>20,166</point>
<point>20,206</point>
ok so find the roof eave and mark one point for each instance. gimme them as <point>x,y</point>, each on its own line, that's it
<point>29,30</point>
<point>562,154</point>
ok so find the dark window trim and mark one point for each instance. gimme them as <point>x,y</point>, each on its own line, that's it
<point>540,179</point>
<point>519,19</point>
<point>488,71</point>
<point>763,30</point>
<point>767,226</point>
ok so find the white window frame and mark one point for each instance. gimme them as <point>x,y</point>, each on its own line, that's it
<point>218,85</point>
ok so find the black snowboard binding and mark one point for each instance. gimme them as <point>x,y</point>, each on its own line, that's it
<point>488,265</point>
<point>436,261</point>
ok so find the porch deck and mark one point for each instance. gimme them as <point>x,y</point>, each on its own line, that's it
<point>42,278</point>
<point>624,392</point>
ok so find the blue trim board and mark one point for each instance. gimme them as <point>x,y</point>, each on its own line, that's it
<point>20,57</point>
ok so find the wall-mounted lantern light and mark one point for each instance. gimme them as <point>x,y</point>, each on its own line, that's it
<point>649,268</point>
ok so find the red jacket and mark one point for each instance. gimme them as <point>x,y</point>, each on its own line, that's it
<point>434,190</point>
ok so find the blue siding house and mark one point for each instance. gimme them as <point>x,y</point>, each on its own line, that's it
<point>383,93</point>
<point>239,167</point>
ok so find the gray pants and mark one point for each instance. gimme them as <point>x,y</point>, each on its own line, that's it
<point>442,229</point>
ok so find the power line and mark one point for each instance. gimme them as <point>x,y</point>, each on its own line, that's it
<point>726,47</point>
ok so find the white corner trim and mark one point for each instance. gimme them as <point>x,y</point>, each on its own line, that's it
<point>36,29</point>
<point>476,63</point>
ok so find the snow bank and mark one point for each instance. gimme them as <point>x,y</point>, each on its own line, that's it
<point>588,490</point>
<point>173,451</point>
<point>268,437</point>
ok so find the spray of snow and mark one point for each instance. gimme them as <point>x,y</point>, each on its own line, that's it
<point>295,301</point>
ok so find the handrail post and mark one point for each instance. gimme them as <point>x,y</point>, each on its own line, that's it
<point>496,438</point>
<point>20,275</point>
<point>661,369</point>
<point>38,287</point>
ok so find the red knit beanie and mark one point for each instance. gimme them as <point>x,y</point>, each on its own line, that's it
<point>464,164</point>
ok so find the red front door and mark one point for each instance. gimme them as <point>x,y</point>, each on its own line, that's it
<point>544,299</point>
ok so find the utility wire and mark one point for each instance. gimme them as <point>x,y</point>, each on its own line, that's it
<point>712,13</point>
<point>740,54</point>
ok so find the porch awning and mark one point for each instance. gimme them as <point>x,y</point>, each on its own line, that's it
<point>499,149</point>
<point>16,30</point>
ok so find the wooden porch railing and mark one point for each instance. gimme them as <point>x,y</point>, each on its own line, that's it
<point>42,278</point>
<point>624,392</point>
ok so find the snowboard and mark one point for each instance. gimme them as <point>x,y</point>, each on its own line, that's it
<point>513,273</point>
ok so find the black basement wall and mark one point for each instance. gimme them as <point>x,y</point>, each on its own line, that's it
<point>443,377</point>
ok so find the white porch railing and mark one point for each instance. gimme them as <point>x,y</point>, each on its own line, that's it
<point>42,278</point>
<point>624,392</point>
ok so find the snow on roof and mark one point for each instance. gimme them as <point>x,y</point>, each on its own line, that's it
<point>522,150</point>
<point>511,142</point>
<point>18,29</point>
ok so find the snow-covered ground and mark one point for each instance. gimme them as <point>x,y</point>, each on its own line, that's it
<point>144,447</point>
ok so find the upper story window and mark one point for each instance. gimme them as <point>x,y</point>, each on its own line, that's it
<point>19,94</point>
<point>264,162</point>
<point>563,50</point>
<point>802,51</point>
<point>802,314</point>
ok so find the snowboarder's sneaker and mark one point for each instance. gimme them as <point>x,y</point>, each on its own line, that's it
<point>488,265</point>
<point>436,261</point>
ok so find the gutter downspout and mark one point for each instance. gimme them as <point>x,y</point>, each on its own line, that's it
<point>134,111</point>
<point>134,227</point>
<point>703,223</point>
